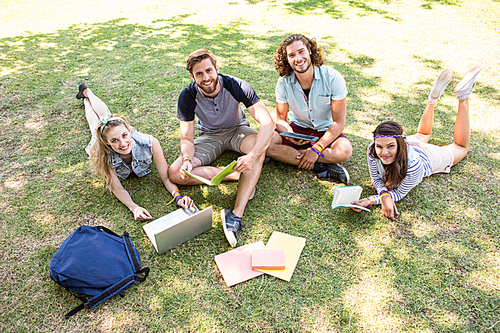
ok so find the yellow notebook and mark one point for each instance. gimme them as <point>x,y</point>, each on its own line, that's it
<point>292,246</point>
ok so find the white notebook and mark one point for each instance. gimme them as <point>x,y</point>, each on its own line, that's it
<point>344,195</point>
<point>177,227</point>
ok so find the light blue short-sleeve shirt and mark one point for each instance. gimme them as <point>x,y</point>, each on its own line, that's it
<point>315,113</point>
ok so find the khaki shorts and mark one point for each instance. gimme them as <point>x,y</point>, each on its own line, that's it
<point>441,157</point>
<point>210,145</point>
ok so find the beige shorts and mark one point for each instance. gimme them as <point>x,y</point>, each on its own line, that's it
<point>441,157</point>
<point>210,145</point>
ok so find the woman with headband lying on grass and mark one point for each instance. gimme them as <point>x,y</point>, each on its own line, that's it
<point>398,163</point>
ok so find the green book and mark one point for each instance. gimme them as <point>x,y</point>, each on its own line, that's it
<point>217,179</point>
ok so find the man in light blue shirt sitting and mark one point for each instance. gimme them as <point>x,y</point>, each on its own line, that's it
<point>315,94</point>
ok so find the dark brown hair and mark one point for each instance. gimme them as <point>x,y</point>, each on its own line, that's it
<point>396,171</point>
<point>281,60</point>
<point>197,56</point>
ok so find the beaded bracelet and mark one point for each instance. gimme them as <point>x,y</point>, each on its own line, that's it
<point>317,152</point>
<point>319,143</point>
<point>317,148</point>
<point>178,197</point>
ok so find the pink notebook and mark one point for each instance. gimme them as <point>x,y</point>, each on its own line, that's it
<point>292,246</point>
<point>268,259</point>
<point>236,265</point>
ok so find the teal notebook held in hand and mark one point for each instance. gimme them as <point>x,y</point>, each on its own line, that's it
<point>217,179</point>
<point>344,195</point>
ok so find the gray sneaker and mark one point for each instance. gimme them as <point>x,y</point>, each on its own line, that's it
<point>464,88</point>
<point>335,171</point>
<point>230,224</point>
<point>439,86</point>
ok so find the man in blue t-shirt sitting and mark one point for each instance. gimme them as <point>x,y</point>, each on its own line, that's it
<point>315,94</point>
<point>215,99</point>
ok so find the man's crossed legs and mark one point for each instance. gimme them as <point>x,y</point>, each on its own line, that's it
<point>208,147</point>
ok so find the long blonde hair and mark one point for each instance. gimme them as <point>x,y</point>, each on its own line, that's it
<point>100,151</point>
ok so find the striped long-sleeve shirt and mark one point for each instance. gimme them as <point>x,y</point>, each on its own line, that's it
<point>419,166</point>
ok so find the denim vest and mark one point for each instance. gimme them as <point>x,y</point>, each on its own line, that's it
<point>142,155</point>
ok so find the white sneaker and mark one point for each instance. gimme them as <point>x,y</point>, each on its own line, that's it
<point>464,88</point>
<point>440,85</point>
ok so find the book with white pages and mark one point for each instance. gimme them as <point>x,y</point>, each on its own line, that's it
<point>299,136</point>
<point>177,227</point>
<point>344,195</point>
<point>217,179</point>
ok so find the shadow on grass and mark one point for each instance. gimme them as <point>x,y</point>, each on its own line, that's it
<point>430,63</point>
<point>427,4</point>
<point>334,8</point>
<point>139,72</point>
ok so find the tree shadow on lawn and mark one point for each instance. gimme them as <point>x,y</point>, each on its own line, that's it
<point>427,4</point>
<point>331,8</point>
<point>140,71</point>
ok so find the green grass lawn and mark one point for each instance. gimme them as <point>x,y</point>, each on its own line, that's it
<point>435,269</point>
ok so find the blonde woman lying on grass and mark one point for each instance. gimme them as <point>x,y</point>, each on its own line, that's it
<point>118,151</point>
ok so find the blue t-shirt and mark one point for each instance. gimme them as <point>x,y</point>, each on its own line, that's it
<point>314,112</point>
<point>222,111</point>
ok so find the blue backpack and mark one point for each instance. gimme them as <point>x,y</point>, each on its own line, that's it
<point>96,262</point>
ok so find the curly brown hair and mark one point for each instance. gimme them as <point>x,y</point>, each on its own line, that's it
<point>397,170</point>
<point>281,59</point>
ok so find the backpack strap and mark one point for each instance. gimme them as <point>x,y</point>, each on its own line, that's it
<point>131,252</point>
<point>74,311</point>
<point>109,292</point>
<point>101,228</point>
<point>134,259</point>
<point>145,271</point>
<point>78,308</point>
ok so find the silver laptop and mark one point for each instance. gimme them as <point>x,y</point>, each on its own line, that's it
<point>177,227</point>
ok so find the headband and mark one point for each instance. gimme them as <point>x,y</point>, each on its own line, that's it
<point>388,136</point>
<point>108,118</point>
